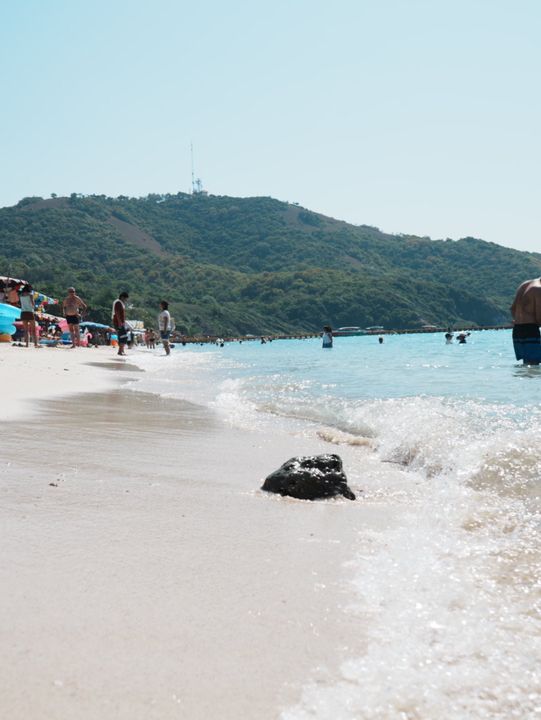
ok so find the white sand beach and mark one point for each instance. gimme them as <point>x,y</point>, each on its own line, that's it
<point>28,375</point>
<point>143,574</point>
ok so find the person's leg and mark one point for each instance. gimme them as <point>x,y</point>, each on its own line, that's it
<point>34,333</point>
<point>26,331</point>
<point>166,347</point>
<point>76,336</point>
<point>71,329</point>
<point>531,351</point>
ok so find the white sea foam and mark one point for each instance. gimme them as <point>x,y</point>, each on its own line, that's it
<point>451,594</point>
<point>448,596</point>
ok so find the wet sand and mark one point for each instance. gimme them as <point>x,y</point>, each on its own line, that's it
<point>144,574</point>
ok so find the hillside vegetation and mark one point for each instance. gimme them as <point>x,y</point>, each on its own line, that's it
<point>254,265</point>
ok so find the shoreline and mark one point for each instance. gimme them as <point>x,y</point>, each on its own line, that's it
<point>148,575</point>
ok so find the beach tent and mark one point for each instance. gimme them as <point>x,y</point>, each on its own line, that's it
<point>136,325</point>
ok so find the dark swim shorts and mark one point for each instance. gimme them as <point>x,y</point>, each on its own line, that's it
<point>122,334</point>
<point>527,343</point>
<point>72,319</point>
<point>165,334</point>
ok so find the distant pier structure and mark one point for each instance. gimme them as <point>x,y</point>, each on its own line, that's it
<point>197,183</point>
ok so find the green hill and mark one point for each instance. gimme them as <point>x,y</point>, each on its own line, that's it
<point>254,265</point>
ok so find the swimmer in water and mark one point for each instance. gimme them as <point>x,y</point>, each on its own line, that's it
<point>327,336</point>
<point>526,312</point>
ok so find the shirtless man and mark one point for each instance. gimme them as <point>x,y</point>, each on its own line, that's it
<point>72,306</point>
<point>526,312</point>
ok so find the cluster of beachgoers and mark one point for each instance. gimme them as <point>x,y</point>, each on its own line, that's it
<point>25,321</point>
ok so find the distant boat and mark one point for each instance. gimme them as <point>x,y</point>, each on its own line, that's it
<point>350,330</point>
<point>374,329</point>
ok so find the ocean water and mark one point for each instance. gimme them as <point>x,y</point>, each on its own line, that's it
<point>448,438</point>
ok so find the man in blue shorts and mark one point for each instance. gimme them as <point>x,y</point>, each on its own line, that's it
<point>526,312</point>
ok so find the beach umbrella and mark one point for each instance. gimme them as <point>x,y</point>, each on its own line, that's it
<point>41,299</point>
<point>88,323</point>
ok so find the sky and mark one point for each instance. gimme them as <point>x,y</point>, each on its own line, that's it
<point>415,116</point>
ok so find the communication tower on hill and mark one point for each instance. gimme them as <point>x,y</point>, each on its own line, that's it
<point>197,183</point>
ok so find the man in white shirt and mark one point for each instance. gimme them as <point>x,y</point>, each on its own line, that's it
<point>164,322</point>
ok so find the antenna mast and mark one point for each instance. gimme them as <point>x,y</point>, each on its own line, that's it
<point>193,171</point>
<point>197,184</point>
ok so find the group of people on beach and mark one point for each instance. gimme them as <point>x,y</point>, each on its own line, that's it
<point>119,322</point>
<point>21,294</point>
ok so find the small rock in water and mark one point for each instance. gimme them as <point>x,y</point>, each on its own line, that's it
<point>309,478</point>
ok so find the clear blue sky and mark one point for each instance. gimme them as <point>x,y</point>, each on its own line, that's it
<point>417,116</point>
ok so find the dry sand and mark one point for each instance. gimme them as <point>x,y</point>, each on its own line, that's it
<point>143,574</point>
<point>28,374</point>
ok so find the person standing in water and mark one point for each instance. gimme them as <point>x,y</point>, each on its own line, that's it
<point>526,312</point>
<point>327,336</point>
<point>164,323</point>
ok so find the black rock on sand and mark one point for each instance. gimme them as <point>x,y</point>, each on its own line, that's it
<point>310,478</point>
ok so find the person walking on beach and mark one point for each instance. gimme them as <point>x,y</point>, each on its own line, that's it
<point>72,308</point>
<point>28,318</point>
<point>119,321</point>
<point>526,312</point>
<point>164,323</point>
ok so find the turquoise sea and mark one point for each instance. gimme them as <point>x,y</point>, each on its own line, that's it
<point>448,439</point>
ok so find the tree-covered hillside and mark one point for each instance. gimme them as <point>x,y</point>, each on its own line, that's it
<point>253,265</point>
